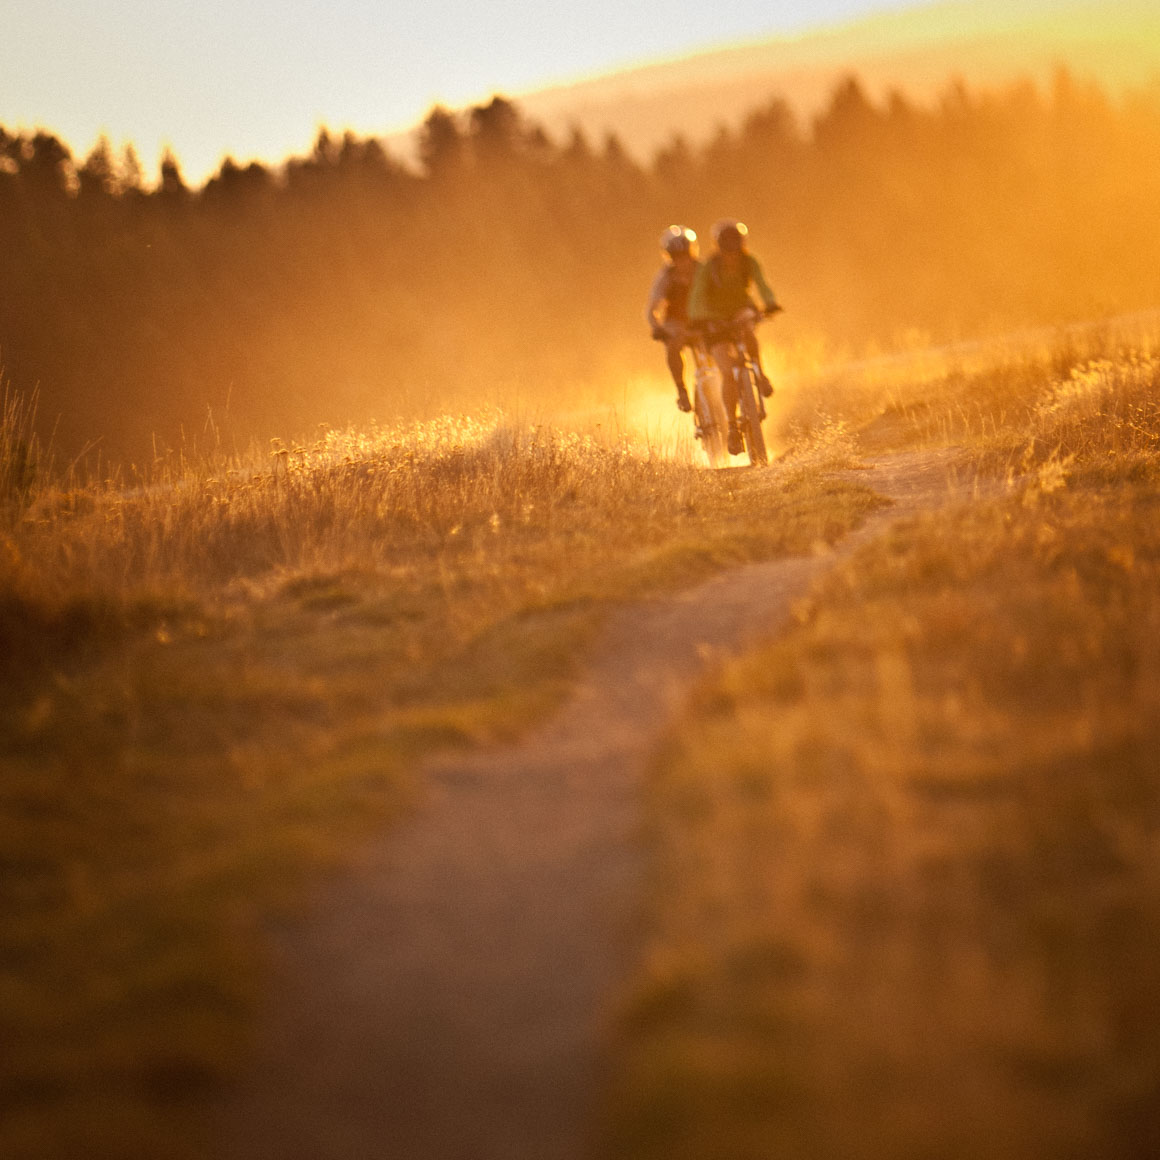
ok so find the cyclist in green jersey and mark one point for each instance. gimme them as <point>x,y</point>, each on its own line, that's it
<point>719,296</point>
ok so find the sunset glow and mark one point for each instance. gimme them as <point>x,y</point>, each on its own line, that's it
<point>579,576</point>
<point>255,80</point>
<point>250,81</point>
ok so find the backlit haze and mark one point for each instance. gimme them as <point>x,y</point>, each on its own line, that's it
<point>911,177</point>
<point>255,79</point>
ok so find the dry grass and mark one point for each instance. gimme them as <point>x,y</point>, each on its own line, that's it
<point>219,676</point>
<point>906,868</point>
<point>988,395</point>
<point>906,861</point>
<point>19,448</point>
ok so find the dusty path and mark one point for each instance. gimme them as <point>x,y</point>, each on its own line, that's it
<point>445,1002</point>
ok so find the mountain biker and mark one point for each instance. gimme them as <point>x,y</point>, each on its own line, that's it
<point>720,296</point>
<point>667,310</point>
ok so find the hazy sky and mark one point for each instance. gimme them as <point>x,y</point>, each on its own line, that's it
<point>256,78</point>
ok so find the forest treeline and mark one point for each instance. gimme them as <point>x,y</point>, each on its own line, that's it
<point>508,267</point>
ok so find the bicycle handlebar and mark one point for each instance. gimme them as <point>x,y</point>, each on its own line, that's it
<point>714,330</point>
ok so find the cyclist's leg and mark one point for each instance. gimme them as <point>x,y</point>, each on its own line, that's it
<point>723,357</point>
<point>674,355</point>
<point>753,349</point>
<point>676,339</point>
<point>675,360</point>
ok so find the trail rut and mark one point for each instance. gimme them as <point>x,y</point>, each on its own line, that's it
<point>445,1000</point>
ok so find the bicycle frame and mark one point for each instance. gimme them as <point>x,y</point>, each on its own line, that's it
<point>745,378</point>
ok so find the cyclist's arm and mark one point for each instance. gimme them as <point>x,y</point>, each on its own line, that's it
<point>656,299</point>
<point>758,279</point>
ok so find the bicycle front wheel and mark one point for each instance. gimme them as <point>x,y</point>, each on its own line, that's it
<point>711,416</point>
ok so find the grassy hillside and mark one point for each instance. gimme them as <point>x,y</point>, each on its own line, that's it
<point>905,877</point>
<point>216,680</point>
<point>904,868</point>
<point>989,43</point>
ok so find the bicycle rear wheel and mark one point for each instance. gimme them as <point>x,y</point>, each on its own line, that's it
<point>751,418</point>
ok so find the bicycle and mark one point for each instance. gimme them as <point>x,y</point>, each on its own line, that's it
<point>745,378</point>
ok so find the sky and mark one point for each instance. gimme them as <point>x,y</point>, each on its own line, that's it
<point>255,79</point>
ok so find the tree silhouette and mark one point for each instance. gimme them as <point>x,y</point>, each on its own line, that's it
<point>442,148</point>
<point>343,284</point>
<point>46,166</point>
<point>496,132</point>
<point>171,185</point>
<point>98,174</point>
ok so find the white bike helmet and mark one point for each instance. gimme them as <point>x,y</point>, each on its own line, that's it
<point>677,240</point>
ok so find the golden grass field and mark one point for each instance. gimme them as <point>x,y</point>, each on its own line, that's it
<point>904,859</point>
<point>219,676</point>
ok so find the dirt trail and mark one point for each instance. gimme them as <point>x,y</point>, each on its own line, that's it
<point>445,1001</point>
